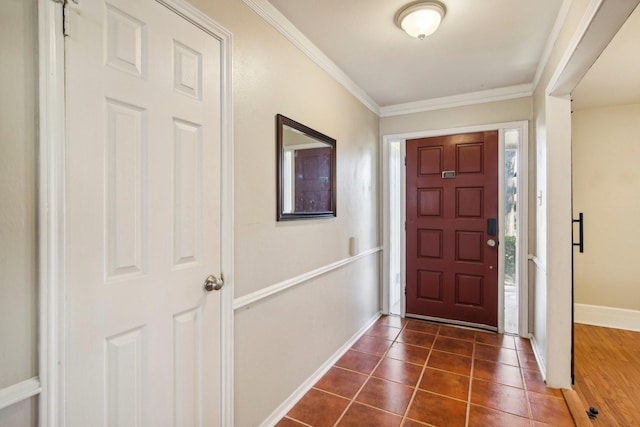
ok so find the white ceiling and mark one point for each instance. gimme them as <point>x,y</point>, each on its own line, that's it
<point>481,45</point>
<point>614,78</point>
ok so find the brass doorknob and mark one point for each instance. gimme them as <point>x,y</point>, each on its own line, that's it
<point>212,283</point>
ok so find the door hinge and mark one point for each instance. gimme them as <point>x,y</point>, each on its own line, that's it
<point>65,19</point>
<point>65,15</point>
<point>405,161</point>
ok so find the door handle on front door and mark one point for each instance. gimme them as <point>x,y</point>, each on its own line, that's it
<point>212,283</point>
<point>491,243</point>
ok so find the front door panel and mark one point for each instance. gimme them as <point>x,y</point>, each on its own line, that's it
<point>452,207</point>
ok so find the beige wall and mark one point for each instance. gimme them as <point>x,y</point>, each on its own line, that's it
<point>281,341</point>
<point>606,177</point>
<point>18,220</point>
<point>449,118</point>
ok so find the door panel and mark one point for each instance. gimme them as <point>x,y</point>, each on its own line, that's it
<point>313,183</point>
<point>452,190</point>
<point>143,209</point>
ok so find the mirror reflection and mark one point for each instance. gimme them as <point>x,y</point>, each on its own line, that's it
<point>306,172</point>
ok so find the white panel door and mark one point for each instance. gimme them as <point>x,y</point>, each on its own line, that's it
<point>143,217</point>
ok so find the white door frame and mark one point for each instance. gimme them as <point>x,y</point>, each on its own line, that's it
<point>522,203</point>
<point>52,325</point>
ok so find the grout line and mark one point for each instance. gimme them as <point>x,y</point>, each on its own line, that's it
<point>424,368</point>
<point>416,387</point>
<point>353,399</point>
<point>297,420</point>
<point>473,365</point>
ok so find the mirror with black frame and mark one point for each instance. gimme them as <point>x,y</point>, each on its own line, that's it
<point>306,171</point>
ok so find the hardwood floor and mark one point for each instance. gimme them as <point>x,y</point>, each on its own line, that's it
<point>607,373</point>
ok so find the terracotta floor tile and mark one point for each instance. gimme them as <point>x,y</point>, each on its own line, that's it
<point>358,361</point>
<point>498,372</point>
<point>383,331</point>
<point>533,382</point>
<point>437,410</point>
<point>499,396</point>
<point>460,333</point>
<point>498,340</point>
<point>342,382</point>
<point>527,360</point>
<point>386,395</point>
<point>452,345</point>
<point>446,383</point>
<point>486,417</point>
<point>398,371</point>
<point>496,354</point>
<point>288,422</point>
<point>416,338</point>
<point>450,362</point>
<point>549,409</point>
<point>373,345</point>
<point>523,344</point>
<point>408,353</point>
<point>395,321</point>
<point>422,326</point>
<point>359,416</point>
<point>412,423</point>
<point>318,408</point>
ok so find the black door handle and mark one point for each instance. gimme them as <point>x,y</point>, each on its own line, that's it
<point>580,221</point>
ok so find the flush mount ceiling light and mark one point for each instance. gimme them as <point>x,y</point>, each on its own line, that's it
<point>421,19</point>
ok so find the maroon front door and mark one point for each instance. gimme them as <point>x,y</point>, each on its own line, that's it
<point>452,211</point>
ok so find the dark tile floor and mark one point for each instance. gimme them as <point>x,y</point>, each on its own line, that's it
<point>414,373</point>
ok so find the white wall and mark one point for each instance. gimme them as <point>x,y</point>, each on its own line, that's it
<point>552,285</point>
<point>18,248</point>
<point>282,340</point>
<point>606,178</point>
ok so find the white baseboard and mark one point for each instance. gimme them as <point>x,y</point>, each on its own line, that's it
<point>609,317</point>
<point>286,406</point>
<point>538,355</point>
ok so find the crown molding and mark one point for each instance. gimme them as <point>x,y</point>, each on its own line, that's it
<point>278,21</point>
<point>481,97</point>
<point>551,41</point>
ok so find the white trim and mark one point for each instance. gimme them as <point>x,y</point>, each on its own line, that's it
<point>599,24</point>
<point>551,41</point>
<point>538,263</point>
<point>285,406</point>
<point>523,171</point>
<point>51,244</point>
<point>18,392</point>
<point>472,98</point>
<point>608,317</point>
<point>539,359</point>
<point>501,241</point>
<point>225,37</point>
<point>523,231</point>
<point>278,21</point>
<point>269,291</point>
<point>578,35</point>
